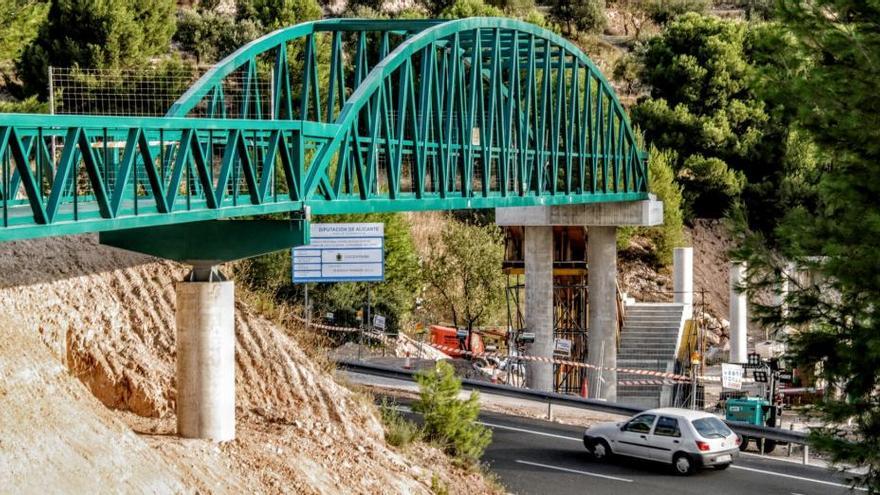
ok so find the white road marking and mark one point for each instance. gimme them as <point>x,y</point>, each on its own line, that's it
<point>811,480</point>
<point>533,432</point>
<point>575,471</point>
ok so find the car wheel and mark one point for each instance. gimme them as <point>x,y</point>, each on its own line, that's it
<point>683,464</point>
<point>722,467</point>
<point>769,446</point>
<point>744,443</point>
<point>600,450</point>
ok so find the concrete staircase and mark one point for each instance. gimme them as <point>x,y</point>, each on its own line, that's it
<point>649,341</point>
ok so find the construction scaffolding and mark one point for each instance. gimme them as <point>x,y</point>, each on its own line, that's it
<point>570,303</point>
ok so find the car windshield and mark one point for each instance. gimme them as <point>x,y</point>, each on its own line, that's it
<point>712,428</point>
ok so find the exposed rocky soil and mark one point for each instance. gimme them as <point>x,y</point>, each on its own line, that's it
<point>106,317</point>
<point>712,241</point>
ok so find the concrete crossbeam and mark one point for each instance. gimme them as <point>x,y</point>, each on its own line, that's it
<point>630,213</point>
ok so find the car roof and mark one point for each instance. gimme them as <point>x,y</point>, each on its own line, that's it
<point>688,414</point>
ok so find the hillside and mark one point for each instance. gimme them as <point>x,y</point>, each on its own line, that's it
<point>78,310</point>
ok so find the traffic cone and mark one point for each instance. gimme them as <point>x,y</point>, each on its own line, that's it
<point>584,389</point>
<point>407,364</point>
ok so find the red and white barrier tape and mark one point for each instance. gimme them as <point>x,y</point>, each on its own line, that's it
<point>669,378</point>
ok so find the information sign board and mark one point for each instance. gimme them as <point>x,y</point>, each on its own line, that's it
<point>731,376</point>
<point>341,252</point>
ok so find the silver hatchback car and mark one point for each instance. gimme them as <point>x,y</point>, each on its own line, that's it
<point>686,439</point>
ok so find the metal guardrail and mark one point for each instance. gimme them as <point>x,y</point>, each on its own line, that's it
<point>753,431</point>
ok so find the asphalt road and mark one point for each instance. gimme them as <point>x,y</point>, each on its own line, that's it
<point>538,457</point>
<point>532,456</point>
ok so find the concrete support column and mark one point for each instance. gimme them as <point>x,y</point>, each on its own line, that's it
<point>602,340</point>
<point>538,253</point>
<point>683,279</point>
<point>738,314</point>
<point>205,357</point>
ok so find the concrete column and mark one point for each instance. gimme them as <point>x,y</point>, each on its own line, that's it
<point>206,359</point>
<point>602,340</point>
<point>738,315</point>
<point>683,279</point>
<point>538,253</point>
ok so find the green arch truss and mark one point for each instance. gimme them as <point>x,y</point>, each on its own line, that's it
<point>339,116</point>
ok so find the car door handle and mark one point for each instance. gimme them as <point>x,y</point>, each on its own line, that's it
<point>643,436</point>
<point>675,441</point>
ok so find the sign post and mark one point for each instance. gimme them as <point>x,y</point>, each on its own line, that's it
<point>341,252</point>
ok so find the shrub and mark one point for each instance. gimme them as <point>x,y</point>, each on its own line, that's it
<point>399,431</point>
<point>449,421</point>
<point>663,11</point>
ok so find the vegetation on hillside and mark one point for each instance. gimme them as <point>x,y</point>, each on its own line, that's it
<point>834,289</point>
<point>451,422</point>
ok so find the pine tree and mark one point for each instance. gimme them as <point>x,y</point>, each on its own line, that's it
<point>96,34</point>
<point>834,298</point>
<point>450,421</point>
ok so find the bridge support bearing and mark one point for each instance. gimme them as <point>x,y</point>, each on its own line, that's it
<point>206,355</point>
<point>538,253</point>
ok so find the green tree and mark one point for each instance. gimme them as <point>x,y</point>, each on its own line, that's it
<point>662,183</point>
<point>834,302</point>
<point>19,23</point>
<point>450,421</point>
<point>96,34</point>
<point>211,36</point>
<point>710,103</point>
<point>463,273</point>
<point>276,14</point>
<point>585,16</point>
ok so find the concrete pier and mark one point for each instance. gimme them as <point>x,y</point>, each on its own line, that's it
<point>602,338</point>
<point>538,253</point>
<point>683,279</point>
<point>601,221</point>
<point>738,315</point>
<point>206,359</point>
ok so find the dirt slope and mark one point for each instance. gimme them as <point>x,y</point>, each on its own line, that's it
<point>108,315</point>
<point>73,444</point>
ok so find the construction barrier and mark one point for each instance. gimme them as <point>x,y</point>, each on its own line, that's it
<point>667,378</point>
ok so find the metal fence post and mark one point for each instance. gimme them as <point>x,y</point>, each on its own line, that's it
<point>806,458</point>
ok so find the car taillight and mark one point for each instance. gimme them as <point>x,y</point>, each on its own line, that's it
<point>738,440</point>
<point>703,446</point>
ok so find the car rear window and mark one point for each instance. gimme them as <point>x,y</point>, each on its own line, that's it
<point>667,427</point>
<point>712,428</point>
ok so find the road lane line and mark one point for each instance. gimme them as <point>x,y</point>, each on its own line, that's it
<point>811,480</point>
<point>575,471</point>
<point>533,432</point>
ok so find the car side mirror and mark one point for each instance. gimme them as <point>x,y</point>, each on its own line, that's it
<point>622,427</point>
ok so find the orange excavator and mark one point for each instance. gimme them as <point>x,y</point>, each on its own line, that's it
<point>456,343</point>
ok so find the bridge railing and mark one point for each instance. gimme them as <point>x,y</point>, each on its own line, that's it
<point>80,173</point>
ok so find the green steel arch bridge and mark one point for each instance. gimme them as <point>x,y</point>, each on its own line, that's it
<point>402,115</point>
